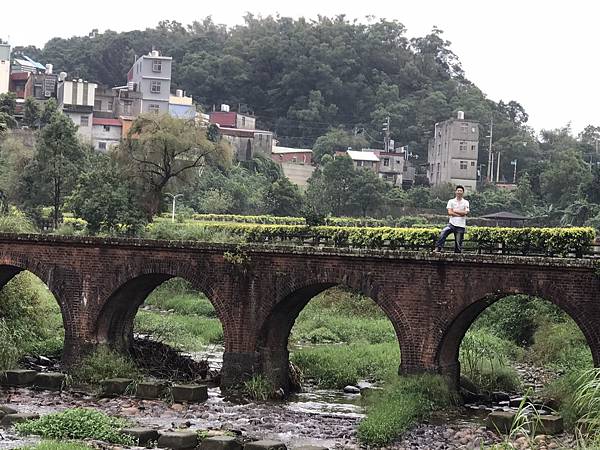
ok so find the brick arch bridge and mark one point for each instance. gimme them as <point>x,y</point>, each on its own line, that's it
<point>258,291</point>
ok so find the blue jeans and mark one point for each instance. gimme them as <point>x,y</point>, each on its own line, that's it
<point>459,234</point>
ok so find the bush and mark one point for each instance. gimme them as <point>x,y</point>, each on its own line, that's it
<point>16,222</point>
<point>102,364</point>
<point>561,346</point>
<point>403,402</point>
<point>258,388</point>
<point>78,423</point>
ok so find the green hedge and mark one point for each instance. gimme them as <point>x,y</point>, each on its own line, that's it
<point>548,241</point>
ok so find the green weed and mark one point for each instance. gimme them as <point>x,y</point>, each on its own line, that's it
<point>102,364</point>
<point>78,423</point>
<point>258,388</point>
<point>54,445</point>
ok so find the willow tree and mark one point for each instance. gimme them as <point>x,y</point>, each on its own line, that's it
<point>161,150</point>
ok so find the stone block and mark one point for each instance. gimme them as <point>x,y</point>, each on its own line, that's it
<point>151,390</point>
<point>178,439</point>
<point>143,436</point>
<point>265,445</point>
<point>220,443</point>
<point>115,386</point>
<point>550,425</point>
<point>18,377</point>
<point>11,419</point>
<point>190,393</point>
<point>52,381</point>
<point>4,409</point>
<point>500,421</point>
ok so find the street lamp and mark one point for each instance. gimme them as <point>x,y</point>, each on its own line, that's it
<point>173,211</point>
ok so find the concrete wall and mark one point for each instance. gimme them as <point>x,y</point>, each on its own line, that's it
<point>85,132</point>
<point>111,137</point>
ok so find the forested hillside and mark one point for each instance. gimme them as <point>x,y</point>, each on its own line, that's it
<point>302,77</point>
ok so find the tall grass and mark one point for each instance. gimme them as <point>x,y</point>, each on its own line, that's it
<point>403,402</point>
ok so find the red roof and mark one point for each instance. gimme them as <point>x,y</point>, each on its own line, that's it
<point>111,122</point>
<point>225,119</point>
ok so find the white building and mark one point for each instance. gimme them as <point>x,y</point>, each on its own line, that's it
<point>106,133</point>
<point>76,99</point>
<point>367,159</point>
<point>4,68</point>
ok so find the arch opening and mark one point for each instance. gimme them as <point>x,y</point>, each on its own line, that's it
<point>167,324</point>
<point>334,335</point>
<point>32,326</point>
<point>512,343</point>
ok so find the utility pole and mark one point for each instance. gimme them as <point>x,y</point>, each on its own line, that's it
<point>498,168</point>
<point>490,169</point>
<point>173,211</point>
<point>386,139</point>
<point>514,163</point>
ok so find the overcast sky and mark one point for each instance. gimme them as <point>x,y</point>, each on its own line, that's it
<point>544,55</point>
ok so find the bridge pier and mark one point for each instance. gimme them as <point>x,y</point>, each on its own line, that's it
<point>237,368</point>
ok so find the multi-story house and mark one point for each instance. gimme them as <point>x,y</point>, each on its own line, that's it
<point>367,159</point>
<point>151,75</point>
<point>452,153</point>
<point>4,68</point>
<point>76,99</point>
<point>240,131</point>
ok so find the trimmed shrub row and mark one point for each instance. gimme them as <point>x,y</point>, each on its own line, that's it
<point>547,241</point>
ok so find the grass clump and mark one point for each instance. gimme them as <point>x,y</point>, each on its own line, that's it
<point>402,402</point>
<point>336,366</point>
<point>104,363</point>
<point>258,388</point>
<point>78,423</point>
<point>178,295</point>
<point>55,445</point>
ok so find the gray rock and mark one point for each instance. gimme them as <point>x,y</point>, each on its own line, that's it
<point>18,377</point>
<point>190,393</point>
<point>351,390</point>
<point>550,425</point>
<point>143,436</point>
<point>220,443</point>
<point>500,421</point>
<point>265,445</point>
<point>151,390</point>
<point>52,381</point>
<point>115,386</point>
<point>4,409</point>
<point>178,439</point>
<point>11,419</point>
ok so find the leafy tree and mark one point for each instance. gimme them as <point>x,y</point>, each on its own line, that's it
<point>524,193</point>
<point>335,140</point>
<point>332,187</point>
<point>56,164</point>
<point>590,189</point>
<point>368,191</point>
<point>106,198</point>
<point>8,103</point>
<point>284,198</point>
<point>47,112</point>
<point>561,180</point>
<point>31,113</point>
<point>160,150</point>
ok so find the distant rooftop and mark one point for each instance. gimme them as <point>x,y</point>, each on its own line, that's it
<point>362,156</point>
<point>283,150</point>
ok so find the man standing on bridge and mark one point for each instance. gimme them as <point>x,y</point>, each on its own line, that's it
<point>458,208</point>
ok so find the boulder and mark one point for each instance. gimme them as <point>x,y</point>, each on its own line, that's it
<point>52,381</point>
<point>11,419</point>
<point>151,390</point>
<point>550,424</point>
<point>143,436</point>
<point>220,443</point>
<point>351,390</point>
<point>177,439</point>
<point>115,386</point>
<point>18,377</point>
<point>4,410</point>
<point>190,393</point>
<point>500,421</point>
<point>499,396</point>
<point>265,445</point>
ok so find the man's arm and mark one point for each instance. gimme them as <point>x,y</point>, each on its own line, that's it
<point>453,213</point>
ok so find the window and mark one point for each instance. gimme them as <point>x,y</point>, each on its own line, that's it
<point>386,162</point>
<point>462,146</point>
<point>106,127</point>
<point>98,105</point>
<point>463,165</point>
<point>464,127</point>
<point>472,147</point>
<point>260,136</point>
<point>127,108</point>
<point>244,124</point>
<point>405,169</point>
<point>84,121</point>
<point>360,163</point>
<point>155,87</point>
<point>157,65</point>
<point>110,105</point>
<point>472,163</point>
<point>101,145</point>
<point>154,108</point>
<point>294,160</point>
